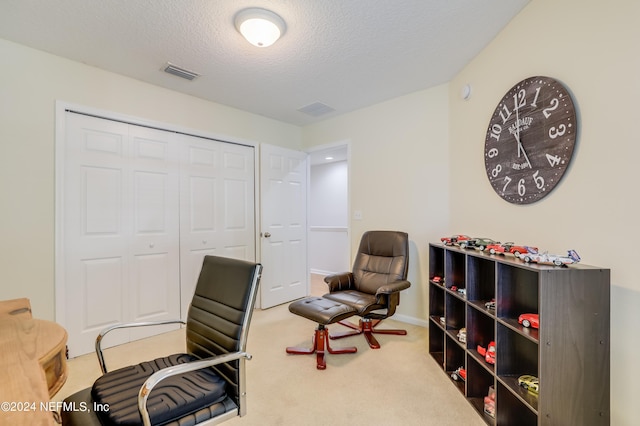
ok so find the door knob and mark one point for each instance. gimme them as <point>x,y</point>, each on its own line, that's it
<point>267,234</point>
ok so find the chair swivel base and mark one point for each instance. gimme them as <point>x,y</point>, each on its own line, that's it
<point>366,326</point>
<point>320,342</point>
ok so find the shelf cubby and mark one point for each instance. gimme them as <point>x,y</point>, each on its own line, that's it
<point>454,312</point>
<point>478,382</point>
<point>454,269</point>
<point>436,342</point>
<point>517,292</point>
<point>515,354</point>
<point>510,410</point>
<point>481,279</point>
<point>454,358</point>
<point>436,263</point>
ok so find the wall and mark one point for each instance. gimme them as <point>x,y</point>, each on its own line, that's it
<point>31,82</point>
<point>398,176</point>
<point>328,218</point>
<point>592,48</point>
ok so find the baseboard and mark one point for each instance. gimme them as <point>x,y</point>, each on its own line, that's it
<point>321,272</point>
<point>410,320</point>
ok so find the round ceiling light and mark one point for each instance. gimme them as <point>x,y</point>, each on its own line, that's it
<point>260,27</point>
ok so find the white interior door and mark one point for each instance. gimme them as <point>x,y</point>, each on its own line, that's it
<point>283,194</point>
<point>217,206</point>
<point>120,228</point>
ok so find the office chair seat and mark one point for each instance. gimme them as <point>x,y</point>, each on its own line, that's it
<point>172,399</point>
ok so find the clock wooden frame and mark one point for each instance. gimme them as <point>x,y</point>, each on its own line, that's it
<point>530,140</point>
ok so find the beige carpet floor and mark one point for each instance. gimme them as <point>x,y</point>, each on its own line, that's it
<point>398,384</point>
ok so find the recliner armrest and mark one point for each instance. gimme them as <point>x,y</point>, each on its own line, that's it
<point>393,287</point>
<point>339,282</point>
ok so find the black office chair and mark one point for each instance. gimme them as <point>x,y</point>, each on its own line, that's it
<point>373,287</point>
<point>206,385</point>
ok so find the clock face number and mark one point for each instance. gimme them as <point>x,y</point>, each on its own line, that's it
<point>554,160</point>
<point>530,140</point>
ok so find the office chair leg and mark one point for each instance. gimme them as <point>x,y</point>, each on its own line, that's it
<point>319,342</point>
<point>366,326</point>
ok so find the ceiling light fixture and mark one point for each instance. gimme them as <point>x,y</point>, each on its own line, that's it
<point>260,27</point>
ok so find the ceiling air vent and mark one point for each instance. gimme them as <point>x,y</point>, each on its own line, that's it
<point>316,109</point>
<point>180,72</point>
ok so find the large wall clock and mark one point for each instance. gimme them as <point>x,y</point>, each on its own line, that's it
<point>530,140</point>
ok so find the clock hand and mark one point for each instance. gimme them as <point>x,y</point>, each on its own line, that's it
<point>517,136</point>
<point>521,148</point>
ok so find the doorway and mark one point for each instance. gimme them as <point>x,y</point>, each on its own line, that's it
<point>328,213</point>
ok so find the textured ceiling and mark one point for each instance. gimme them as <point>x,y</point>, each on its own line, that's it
<point>346,54</point>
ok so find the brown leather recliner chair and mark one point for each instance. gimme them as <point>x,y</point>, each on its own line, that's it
<point>373,287</point>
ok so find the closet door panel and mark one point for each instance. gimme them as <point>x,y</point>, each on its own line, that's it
<point>101,292</point>
<point>155,267</point>
<point>238,208</point>
<point>96,230</point>
<point>216,207</point>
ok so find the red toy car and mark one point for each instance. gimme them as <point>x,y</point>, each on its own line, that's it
<point>509,248</point>
<point>518,250</point>
<point>529,320</point>
<point>489,353</point>
<point>499,248</point>
<point>490,402</point>
<point>459,374</point>
<point>491,305</point>
<point>454,240</point>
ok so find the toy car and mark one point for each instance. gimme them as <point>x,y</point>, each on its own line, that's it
<point>437,279</point>
<point>460,374</point>
<point>529,320</point>
<point>462,335</point>
<point>454,240</point>
<point>551,259</point>
<point>490,402</point>
<point>499,248</point>
<point>490,406</point>
<point>491,304</point>
<point>489,353</point>
<point>462,291</point>
<point>512,248</point>
<point>530,383</point>
<point>518,250</point>
<point>479,243</point>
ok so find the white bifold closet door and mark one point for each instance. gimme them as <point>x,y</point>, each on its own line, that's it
<point>134,199</point>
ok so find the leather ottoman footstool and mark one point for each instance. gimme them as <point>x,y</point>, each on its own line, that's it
<point>323,312</point>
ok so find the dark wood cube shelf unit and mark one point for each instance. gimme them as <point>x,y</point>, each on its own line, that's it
<point>569,353</point>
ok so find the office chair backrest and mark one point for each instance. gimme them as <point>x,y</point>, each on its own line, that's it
<point>383,257</point>
<point>220,312</point>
